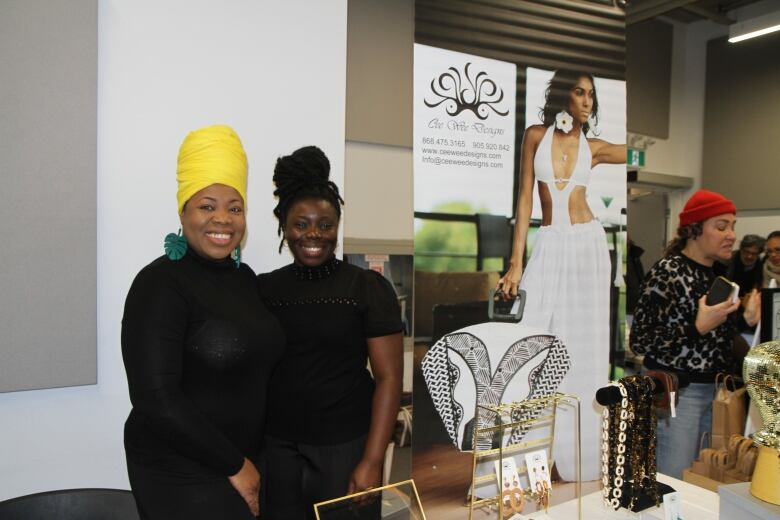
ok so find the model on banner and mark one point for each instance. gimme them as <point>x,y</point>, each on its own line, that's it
<point>567,278</point>
<point>329,422</point>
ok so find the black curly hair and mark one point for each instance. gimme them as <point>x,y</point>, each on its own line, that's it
<point>304,174</point>
<point>556,97</point>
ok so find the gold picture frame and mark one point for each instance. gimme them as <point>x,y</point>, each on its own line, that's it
<point>400,498</point>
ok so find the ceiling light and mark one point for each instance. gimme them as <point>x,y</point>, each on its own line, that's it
<point>754,27</point>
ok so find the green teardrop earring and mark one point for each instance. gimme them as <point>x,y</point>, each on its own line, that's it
<point>236,256</point>
<point>175,246</point>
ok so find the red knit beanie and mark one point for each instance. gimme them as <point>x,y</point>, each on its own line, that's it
<point>705,204</point>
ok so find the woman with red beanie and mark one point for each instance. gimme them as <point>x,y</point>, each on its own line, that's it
<point>677,331</point>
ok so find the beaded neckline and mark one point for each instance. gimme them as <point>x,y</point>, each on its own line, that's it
<point>325,269</point>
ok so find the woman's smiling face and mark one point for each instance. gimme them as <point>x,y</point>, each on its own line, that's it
<point>311,231</point>
<point>213,221</point>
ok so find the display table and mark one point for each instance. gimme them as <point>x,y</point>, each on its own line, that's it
<point>737,502</point>
<point>697,504</point>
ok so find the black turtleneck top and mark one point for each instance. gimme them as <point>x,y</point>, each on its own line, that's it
<point>199,347</point>
<point>321,391</point>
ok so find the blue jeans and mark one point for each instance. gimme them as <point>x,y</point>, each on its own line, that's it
<point>678,438</point>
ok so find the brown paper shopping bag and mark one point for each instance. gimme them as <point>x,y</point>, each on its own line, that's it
<point>701,464</point>
<point>728,410</point>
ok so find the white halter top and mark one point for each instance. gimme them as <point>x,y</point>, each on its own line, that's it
<point>580,176</point>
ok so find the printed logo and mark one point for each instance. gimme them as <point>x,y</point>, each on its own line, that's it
<point>479,94</point>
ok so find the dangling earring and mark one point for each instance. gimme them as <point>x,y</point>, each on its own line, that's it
<point>175,246</point>
<point>236,256</point>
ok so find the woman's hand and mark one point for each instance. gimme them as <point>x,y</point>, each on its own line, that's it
<point>508,284</point>
<point>247,483</point>
<point>366,475</point>
<point>710,317</point>
<point>752,305</point>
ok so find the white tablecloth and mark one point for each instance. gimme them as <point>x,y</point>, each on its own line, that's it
<point>697,504</point>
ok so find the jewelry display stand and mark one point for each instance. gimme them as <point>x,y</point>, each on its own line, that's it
<point>506,418</point>
<point>628,459</point>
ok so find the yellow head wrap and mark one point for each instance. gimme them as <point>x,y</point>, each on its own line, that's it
<point>211,155</point>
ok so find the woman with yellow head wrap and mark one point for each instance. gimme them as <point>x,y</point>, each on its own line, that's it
<point>198,347</point>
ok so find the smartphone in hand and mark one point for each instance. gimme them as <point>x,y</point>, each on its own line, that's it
<point>722,289</point>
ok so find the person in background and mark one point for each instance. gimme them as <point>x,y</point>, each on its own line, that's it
<point>771,268</point>
<point>198,347</point>
<point>744,268</point>
<point>329,420</point>
<point>677,331</point>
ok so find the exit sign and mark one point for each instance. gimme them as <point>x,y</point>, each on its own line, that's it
<point>635,158</point>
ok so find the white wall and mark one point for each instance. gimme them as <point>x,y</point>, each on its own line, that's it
<point>275,71</point>
<point>758,223</point>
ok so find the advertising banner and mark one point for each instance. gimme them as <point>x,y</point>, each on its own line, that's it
<point>571,198</point>
<point>464,130</point>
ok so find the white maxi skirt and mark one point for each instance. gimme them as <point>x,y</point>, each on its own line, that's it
<point>567,282</point>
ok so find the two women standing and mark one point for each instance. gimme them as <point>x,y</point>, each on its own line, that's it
<point>209,368</point>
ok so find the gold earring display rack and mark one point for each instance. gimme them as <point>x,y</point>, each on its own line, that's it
<point>498,422</point>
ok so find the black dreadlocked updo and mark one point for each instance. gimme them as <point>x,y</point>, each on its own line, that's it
<point>304,174</point>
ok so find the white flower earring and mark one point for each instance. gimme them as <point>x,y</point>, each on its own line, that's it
<point>564,122</point>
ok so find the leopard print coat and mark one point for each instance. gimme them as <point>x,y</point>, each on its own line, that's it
<point>663,328</point>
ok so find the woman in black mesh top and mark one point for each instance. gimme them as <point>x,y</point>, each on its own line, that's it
<point>329,422</point>
<point>198,347</point>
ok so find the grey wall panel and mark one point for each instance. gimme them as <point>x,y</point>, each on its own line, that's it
<point>741,121</point>
<point>649,77</point>
<point>380,52</point>
<point>48,150</point>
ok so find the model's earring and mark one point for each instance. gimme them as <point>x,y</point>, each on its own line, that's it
<point>175,246</point>
<point>236,255</point>
<point>564,121</point>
